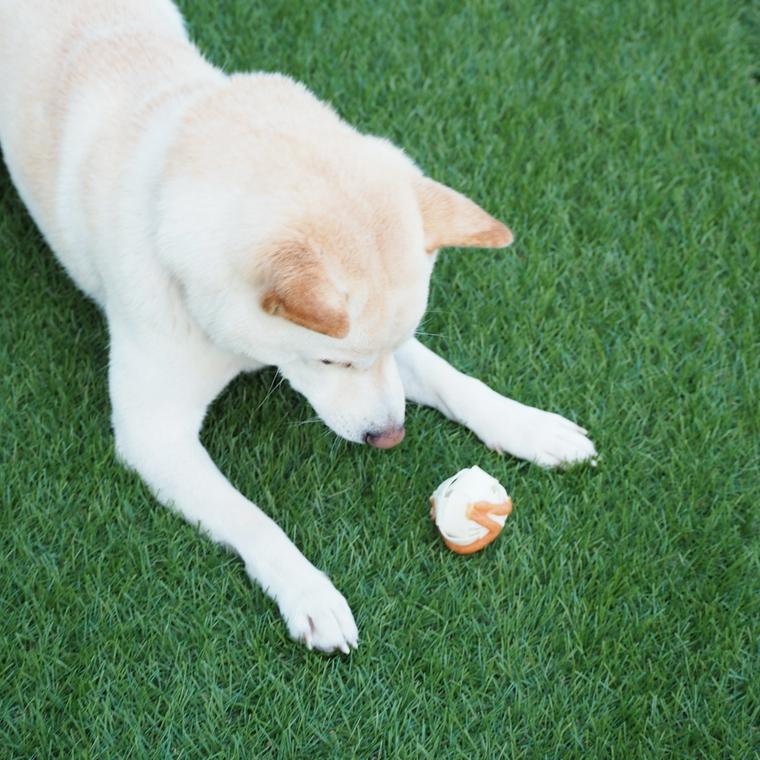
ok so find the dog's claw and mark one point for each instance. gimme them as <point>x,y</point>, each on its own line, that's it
<point>318,615</point>
<point>546,439</point>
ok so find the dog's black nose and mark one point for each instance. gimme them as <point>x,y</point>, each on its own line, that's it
<point>385,439</point>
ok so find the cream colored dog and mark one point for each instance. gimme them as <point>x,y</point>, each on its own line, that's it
<point>224,223</point>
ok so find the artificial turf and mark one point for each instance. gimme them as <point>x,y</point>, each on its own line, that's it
<point>618,614</point>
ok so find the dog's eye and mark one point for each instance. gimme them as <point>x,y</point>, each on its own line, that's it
<point>326,361</point>
<point>346,365</point>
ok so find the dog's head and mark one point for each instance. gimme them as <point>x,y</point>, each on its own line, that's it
<point>302,243</point>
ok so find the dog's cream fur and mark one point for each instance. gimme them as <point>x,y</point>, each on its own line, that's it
<point>224,223</point>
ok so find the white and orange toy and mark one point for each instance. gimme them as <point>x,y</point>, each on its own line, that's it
<point>470,509</point>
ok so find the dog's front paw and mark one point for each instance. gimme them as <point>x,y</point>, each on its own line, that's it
<point>547,439</point>
<point>317,614</point>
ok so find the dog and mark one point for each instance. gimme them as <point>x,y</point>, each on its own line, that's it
<point>224,223</point>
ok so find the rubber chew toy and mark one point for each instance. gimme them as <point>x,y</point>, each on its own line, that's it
<point>470,509</point>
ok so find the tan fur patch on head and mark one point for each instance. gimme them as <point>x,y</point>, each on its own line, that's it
<point>301,291</point>
<point>451,219</point>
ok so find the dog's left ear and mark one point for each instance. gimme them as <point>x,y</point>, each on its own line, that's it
<point>300,290</point>
<point>451,219</point>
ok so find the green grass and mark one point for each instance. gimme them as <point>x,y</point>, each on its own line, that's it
<point>618,614</point>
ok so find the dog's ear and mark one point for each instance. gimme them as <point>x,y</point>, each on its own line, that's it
<point>300,290</point>
<point>451,219</point>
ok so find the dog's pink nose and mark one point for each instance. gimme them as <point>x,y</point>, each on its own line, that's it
<point>386,439</point>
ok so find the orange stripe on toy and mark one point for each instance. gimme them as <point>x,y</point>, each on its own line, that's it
<point>480,512</point>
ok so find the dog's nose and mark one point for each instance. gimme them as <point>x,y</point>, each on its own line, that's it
<point>386,439</point>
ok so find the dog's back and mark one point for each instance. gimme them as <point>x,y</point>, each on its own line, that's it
<point>79,81</point>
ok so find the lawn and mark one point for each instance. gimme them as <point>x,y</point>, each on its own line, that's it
<point>617,616</point>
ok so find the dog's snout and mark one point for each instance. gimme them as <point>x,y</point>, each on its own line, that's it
<point>385,439</point>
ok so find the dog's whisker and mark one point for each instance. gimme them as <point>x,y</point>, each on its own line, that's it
<point>308,421</point>
<point>277,381</point>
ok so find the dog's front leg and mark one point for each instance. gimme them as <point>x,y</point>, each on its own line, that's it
<point>502,424</point>
<point>160,391</point>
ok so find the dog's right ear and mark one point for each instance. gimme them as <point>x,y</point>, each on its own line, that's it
<point>451,219</point>
<point>299,289</point>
